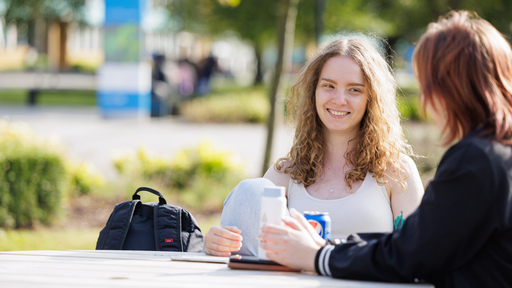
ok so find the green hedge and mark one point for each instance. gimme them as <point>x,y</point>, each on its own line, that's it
<point>199,178</point>
<point>83,179</point>
<point>32,179</point>
<point>249,105</point>
<point>35,178</point>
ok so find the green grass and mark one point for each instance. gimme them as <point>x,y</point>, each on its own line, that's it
<point>50,98</point>
<point>48,239</point>
<point>69,239</point>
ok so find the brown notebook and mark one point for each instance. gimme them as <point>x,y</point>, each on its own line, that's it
<point>254,263</point>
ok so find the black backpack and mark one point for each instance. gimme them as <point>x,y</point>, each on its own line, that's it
<point>150,226</point>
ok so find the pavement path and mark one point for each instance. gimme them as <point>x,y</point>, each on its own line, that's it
<point>89,137</point>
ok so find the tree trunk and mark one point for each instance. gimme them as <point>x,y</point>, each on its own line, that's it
<point>287,17</point>
<point>63,63</point>
<point>41,35</point>
<point>319,23</point>
<point>258,78</point>
<point>390,52</point>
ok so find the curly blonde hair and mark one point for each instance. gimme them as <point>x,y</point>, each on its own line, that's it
<point>380,139</point>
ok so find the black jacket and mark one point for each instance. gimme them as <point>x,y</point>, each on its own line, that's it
<point>460,235</point>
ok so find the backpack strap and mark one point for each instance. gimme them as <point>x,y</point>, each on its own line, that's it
<point>144,210</point>
<point>113,235</point>
<point>168,227</point>
<point>161,199</point>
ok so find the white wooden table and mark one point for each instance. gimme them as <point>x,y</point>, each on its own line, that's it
<point>147,269</point>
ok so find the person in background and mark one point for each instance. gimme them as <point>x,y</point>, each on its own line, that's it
<point>349,156</point>
<point>461,233</point>
<point>207,67</point>
<point>188,78</point>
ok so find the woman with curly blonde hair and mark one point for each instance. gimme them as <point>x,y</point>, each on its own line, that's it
<point>379,139</point>
<point>349,156</point>
<point>461,233</point>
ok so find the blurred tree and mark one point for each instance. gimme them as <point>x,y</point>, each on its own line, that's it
<point>256,22</point>
<point>407,19</point>
<point>253,21</point>
<point>285,39</point>
<point>40,17</point>
<point>392,20</point>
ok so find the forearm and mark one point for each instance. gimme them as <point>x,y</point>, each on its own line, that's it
<point>356,259</point>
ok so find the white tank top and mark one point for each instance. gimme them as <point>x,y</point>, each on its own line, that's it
<point>367,210</point>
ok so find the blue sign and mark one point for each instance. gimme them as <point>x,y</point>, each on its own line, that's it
<point>118,12</point>
<point>124,80</point>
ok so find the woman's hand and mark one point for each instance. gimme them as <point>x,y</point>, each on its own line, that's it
<point>294,245</point>
<point>221,241</point>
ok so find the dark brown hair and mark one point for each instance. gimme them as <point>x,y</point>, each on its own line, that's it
<point>464,67</point>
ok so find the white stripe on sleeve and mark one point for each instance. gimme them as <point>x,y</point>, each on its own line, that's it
<point>323,260</point>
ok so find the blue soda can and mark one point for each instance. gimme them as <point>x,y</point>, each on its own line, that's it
<point>321,222</point>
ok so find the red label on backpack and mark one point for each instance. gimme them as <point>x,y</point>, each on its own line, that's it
<point>169,240</point>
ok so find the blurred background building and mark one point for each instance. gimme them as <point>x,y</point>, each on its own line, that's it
<point>179,37</point>
<point>46,36</point>
<point>73,40</point>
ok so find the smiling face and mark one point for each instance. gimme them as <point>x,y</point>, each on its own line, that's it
<point>341,96</point>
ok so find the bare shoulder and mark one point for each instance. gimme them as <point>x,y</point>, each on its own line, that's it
<point>412,176</point>
<point>277,177</point>
<point>405,197</point>
<point>409,164</point>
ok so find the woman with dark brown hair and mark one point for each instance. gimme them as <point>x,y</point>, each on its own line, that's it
<point>461,234</point>
<point>349,156</point>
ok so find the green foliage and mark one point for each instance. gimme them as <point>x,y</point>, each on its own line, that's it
<point>380,16</point>
<point>203,161</point>
<point>408,107</point>
<point>358,15</point>
<point>148,167</point>
<point>85,67</point>
<point>28,10</point>
<point>35,176</point>
<point>83,179</point>
<point>32,178</point>
<point>198,178</point>
<point>229,107</point>
<point>254,21</point>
